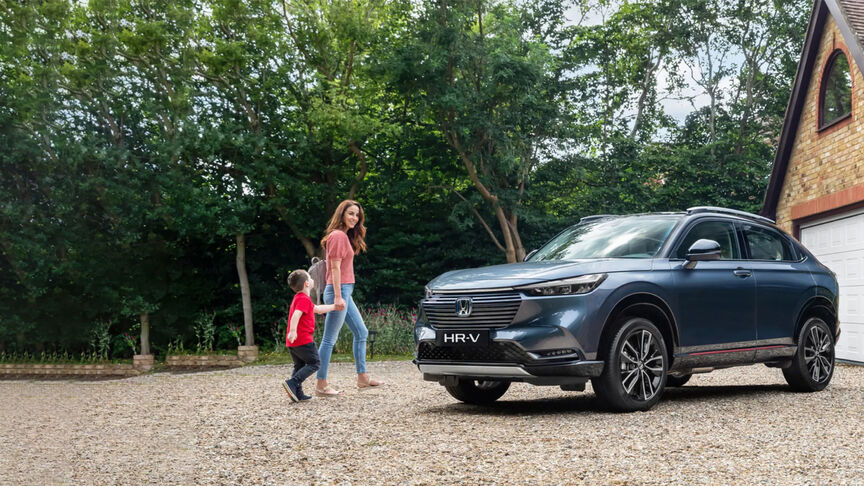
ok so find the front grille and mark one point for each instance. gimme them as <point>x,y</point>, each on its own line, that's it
<point>494,353</point>
<point>487,310</point>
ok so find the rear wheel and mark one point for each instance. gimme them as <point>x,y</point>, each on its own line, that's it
<point>676,381</point>
<point>478,392</point>
<point>634,373</point>
<point>813,363</point>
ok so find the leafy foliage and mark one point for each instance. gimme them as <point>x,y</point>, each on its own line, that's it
<point>141,139</point>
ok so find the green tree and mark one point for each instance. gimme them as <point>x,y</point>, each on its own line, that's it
<point>491,92</point>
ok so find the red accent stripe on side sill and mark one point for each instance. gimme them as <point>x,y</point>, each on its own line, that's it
<point>738,350</point>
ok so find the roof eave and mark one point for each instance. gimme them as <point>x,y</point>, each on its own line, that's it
<point>799,93</point>
<point>793,109</point>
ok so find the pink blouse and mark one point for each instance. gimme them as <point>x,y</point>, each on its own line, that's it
<point>339,248</point>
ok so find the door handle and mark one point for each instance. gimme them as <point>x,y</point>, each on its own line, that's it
<point>740,272</point>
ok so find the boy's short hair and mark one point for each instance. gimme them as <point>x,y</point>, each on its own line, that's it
<point>297,279</point>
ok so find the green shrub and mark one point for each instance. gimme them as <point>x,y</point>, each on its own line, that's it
<point>393,326</point>
<point>205,332</point>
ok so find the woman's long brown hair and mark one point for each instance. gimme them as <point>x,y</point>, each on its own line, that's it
<point>337,222</point>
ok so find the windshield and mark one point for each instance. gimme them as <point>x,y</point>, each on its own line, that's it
<point>626,237</point>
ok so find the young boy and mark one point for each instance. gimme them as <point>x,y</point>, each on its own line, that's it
<point>301,325</point>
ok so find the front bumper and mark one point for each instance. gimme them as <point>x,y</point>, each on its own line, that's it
<point>549,341</point>
<point>558,373</point>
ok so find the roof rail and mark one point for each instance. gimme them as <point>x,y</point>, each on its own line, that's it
<point>743,214</point>
<point>597,216</point>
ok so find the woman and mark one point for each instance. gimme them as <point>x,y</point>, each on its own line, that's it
<point>342,240</point>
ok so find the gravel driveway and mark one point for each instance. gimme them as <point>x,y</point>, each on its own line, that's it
<point>238,427</point>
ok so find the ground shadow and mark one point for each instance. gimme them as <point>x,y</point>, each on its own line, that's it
<point>587,402</point>
<point>696,393</point>
<point>569,403</point>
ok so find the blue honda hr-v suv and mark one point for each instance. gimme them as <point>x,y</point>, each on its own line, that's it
<point>635,304</point>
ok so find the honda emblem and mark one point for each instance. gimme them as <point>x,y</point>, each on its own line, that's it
<point>463,306</point>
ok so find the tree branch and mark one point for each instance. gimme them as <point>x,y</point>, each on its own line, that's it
<point>363,169</point>
<point>477,215</point>
<point>472,171</point>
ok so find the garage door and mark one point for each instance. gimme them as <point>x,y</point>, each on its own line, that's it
<point>838,243</point>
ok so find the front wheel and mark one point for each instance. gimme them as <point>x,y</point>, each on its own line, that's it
<point>634,374</point>
<point>813,363</point>
<point>478,392</point>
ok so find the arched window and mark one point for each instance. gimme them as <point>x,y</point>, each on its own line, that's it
<point>835,97</point>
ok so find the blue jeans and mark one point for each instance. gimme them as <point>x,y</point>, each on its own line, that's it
<point>333,324</point>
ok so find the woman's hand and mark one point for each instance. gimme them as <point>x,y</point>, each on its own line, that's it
<point>292,336</point>
<point>339,303</point>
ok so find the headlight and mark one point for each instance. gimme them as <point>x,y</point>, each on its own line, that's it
<point>569,286</point>
<point>428,292</point>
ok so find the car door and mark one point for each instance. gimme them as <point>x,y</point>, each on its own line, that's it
<point>716,299</point>
<point>783,284</point>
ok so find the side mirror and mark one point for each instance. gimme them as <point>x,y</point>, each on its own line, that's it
<point>701,251</point>
<point>529,255</point>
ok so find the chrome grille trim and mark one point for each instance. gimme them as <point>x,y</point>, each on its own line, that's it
<point>489,310</point>
<point>478,291</point>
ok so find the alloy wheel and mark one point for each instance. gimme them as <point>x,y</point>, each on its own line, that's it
<point>818,354</point>
<point>642,366</point>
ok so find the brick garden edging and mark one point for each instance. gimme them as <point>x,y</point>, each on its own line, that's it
<point>247,354</point>
<point>202,361</point>
<point>141,364</point>
<point>25,369</point>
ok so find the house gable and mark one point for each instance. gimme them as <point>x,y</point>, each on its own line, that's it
<point>816,170</point>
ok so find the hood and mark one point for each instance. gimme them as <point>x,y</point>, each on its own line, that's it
<point>527,273</point>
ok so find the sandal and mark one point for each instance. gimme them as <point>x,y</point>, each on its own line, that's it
<point>370,384</point>
<point>327,392</point>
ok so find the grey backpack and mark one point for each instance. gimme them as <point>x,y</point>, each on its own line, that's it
<point>318,272</point>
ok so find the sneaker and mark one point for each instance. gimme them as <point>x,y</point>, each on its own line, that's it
<point>300,394</point>
<point>291,389</point>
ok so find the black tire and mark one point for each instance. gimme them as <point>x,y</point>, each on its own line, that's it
<point>478,392</point>
<point>676,381</point>
<point>813,363</point>
<point>633,378</point>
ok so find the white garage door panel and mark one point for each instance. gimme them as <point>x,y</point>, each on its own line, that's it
<point>838,244</point>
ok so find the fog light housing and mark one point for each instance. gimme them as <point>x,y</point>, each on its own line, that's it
<point>556,352</point>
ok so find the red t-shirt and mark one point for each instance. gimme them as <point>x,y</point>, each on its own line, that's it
<point>306,326</point>
<point>339,248</point>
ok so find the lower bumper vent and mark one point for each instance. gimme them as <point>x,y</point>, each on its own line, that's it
<point>494,353</point>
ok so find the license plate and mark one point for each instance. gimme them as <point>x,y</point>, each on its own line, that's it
<point>462,338</point>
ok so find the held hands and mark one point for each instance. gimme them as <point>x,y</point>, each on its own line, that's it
<point>339,303</point>
<point>292,336</point>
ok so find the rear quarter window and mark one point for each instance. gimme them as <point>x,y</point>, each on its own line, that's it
<point>766,244</point>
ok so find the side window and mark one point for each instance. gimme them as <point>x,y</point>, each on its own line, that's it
<point>765,244</point>
<point>719,231</point>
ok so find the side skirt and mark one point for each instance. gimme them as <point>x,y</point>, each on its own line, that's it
<point>775,350</point>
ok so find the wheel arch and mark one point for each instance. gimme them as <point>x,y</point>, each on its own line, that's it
<point>649,306</point>
<point>817,306</point>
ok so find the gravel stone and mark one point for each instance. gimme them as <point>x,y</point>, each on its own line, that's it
<point>733,426</point>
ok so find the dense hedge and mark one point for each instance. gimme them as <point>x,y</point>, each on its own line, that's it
<point>141,139</point>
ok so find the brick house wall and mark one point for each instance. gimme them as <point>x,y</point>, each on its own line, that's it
<point>826,168</point>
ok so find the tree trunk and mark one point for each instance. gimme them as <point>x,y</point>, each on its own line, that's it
<point>748,104</point>
<point>509,249</point>
<point>647,83</point>
<point>519,248</point>
<point>244,289</point>
<point>145,333</point>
